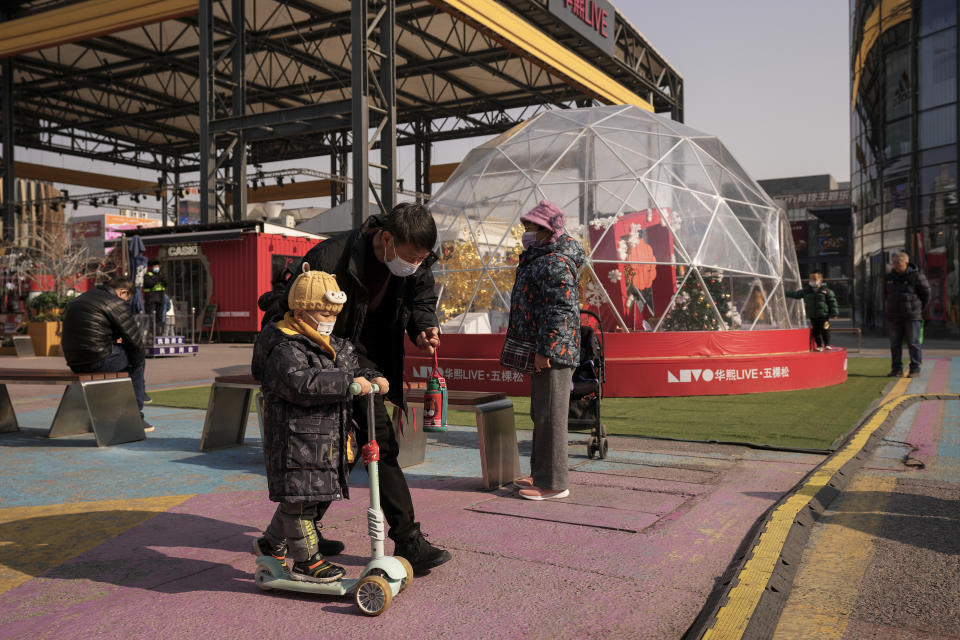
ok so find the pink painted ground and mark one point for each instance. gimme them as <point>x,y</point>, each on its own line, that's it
<point>633,553</point>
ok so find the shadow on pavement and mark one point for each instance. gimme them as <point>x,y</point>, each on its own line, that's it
<point>135,559</point>
<point>921,521</point>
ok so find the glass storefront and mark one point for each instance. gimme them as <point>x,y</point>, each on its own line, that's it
<point>904,124</point>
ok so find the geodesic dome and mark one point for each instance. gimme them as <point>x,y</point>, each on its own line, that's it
<point>678,236</point>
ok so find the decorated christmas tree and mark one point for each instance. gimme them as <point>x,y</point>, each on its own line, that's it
<point>694,308</point>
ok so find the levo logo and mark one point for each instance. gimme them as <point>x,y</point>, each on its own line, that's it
<point>690,375</point>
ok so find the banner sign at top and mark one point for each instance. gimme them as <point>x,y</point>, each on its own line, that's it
<point>592,19</point>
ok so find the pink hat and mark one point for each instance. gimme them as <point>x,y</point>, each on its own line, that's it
<point>547,215</point>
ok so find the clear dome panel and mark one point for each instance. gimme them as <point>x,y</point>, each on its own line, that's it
<point>681,167</point>
<point>639,151</point>
<point>678,236</point>
<point>756,299</point>
<point>744,297</point>
<point>687,214</point>
<point>536,157</point>
<point>605,162</point>
<point>722,157</point>
<point>727,245</point>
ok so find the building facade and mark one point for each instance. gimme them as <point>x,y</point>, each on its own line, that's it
<point>904,123</point>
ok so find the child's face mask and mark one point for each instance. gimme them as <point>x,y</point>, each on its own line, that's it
<point>814,283</point>
<point>325,327</point>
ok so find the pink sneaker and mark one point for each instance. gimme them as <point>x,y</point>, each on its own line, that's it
<point>536,493</point>
<point>523,483</point>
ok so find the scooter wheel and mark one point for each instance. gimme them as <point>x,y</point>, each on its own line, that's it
<point>262,578</point>
<point>373,595</point>
<point>409,569</point>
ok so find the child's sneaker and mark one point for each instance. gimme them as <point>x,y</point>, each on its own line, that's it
<point>316,569</point>
<point>263,547</point>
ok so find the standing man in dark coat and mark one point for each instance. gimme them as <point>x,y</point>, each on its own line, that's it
<point>907,295</point>
<point>101,336</point>
<point>384,268</point>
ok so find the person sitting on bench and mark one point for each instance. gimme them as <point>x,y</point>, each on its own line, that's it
<point>100,336</point>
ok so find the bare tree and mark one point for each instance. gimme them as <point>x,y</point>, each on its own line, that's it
<point>65,263</point>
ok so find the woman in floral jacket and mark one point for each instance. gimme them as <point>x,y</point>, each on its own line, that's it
<point>543,339</point>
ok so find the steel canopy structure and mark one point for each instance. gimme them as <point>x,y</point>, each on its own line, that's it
<point>209,86</point>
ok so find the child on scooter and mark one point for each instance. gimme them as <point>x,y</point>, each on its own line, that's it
<point>305,374</point>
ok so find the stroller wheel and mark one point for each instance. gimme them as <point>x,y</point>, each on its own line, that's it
<point>602,449</point>
<point>592,448</point>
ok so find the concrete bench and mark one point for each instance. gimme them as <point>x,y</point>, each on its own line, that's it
<point>102,403</point>
<point>496,431</point>
<point>228,408</point>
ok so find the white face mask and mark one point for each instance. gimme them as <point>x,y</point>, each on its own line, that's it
<point>814,284</point>
<point>325,328</point>
<point>400,267</point>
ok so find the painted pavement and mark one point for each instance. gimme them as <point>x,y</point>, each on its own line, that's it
<point>150,539</point>
<point>884,560</point>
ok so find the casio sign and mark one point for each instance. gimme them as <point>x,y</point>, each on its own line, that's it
<point>181,250</point>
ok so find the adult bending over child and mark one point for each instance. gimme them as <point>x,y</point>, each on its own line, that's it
<point>384,269</point>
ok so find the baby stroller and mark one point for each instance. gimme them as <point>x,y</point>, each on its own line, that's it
<point>586,391</point>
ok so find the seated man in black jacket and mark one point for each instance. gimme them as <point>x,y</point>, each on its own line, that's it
<point>100,335</point>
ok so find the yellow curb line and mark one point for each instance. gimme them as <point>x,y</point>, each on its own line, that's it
<point>733,617</point>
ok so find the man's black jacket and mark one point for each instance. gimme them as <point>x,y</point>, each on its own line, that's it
<point>92,324</point>
<point>410,302</point>
<point>907,295</point>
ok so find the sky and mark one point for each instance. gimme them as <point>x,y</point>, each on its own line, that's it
<point>768,77</point>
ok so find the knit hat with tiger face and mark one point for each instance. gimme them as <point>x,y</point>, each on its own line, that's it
<point>316,291</point>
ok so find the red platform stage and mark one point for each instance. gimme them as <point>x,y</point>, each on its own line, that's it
<point>697,363</point>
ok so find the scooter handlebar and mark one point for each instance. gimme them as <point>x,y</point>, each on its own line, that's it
<point>355,388</point>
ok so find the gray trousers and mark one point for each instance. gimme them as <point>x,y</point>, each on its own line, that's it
<point>549,409</point>
<point>293,522</point>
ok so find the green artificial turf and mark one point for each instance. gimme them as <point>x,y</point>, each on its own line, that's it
<point>189,398</point>
<point>808,419</point>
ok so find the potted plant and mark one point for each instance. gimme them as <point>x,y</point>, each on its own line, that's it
<point>46,313</point>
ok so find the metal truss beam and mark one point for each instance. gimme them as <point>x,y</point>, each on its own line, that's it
<point>130,106</point>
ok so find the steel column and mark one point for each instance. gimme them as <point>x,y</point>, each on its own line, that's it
<point>239,160</point>
<point>360,116</point>
<point>9,175</point>
<point>422,157</point>
<point>163,191</point>
<point>208,150</point>
<point>176,192</point>
<point>338,167</point>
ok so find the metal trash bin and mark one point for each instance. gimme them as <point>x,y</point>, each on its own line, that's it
<point>413,440</point>
<point>499,453</point>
